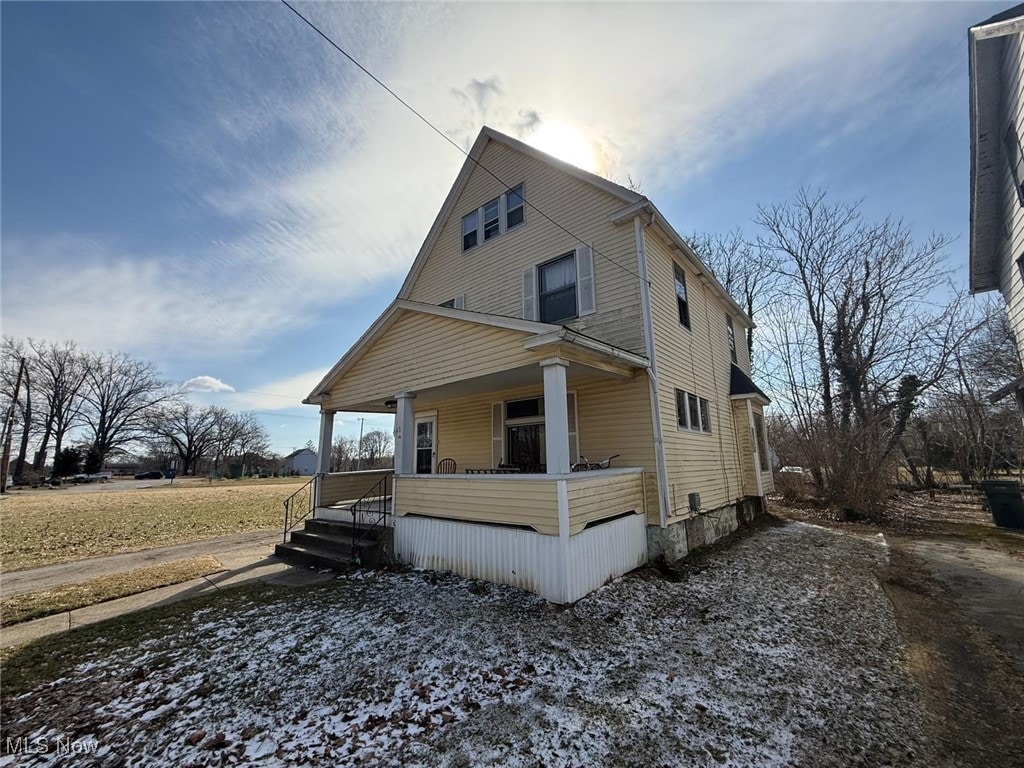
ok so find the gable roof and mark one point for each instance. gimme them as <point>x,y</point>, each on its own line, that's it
<point>486,136</point>
<point>985,48</point>
<point>391,315</point>
<point>293,454</point>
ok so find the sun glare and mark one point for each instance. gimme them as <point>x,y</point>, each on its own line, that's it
<point>566,143</point>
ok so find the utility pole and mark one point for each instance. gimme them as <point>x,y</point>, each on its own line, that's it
<point>5,460</point>
<point>359,455</point>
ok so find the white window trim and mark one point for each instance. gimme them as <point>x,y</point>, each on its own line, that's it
<point>502,219</point>
<point>500,404</point>
<point>688,427</point>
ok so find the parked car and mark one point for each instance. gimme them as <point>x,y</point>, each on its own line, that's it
<point>154,475</point>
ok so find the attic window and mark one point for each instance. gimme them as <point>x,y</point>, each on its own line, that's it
<point>515,210</point>
<point>1015,157</point>
<point>493,218</point>
<point>470,225</point>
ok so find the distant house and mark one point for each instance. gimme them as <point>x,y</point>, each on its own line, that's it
<point>302,461</point>
<point>555,317</point>
<point>997,166</point>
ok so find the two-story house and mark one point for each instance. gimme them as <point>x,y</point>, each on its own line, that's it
<point>551,314</point>
<point>996,58</point>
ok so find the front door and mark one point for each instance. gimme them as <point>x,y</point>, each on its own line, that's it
<point>426,445</point>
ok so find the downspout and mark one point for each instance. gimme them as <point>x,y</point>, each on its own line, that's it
<point>652,371</point>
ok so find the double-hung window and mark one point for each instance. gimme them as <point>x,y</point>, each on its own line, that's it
<point>731,333</point>
<point>494,218</point>
<point>470,225</point>
<point>515,209</point>
<point>557,283</point>
<point>684,305</point>
<point>692,412</point>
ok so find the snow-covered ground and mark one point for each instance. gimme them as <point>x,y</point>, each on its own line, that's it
<point>779,650</point>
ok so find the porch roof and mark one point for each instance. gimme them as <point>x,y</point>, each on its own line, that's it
<point>425,348</point>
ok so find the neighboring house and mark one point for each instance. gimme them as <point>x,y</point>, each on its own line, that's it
<point>302,461</point>
<point>528,335</point>
<point>997,166</point>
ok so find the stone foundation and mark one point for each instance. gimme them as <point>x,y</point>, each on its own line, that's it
<point>679,539</point>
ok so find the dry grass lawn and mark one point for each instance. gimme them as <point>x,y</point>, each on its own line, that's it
<point>68,597</point>
<point>51,527</point>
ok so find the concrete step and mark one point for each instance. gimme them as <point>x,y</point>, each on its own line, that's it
<point>341,528</point>
<point>340,543</point>
<point>314,556</point>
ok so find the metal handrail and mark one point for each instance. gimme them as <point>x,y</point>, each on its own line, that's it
<point>313,489</point>
<point>377,498</point>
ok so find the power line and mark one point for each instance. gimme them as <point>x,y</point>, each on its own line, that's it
<point>443,135</point>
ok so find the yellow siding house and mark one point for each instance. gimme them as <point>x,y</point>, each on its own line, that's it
<point>552,315</point>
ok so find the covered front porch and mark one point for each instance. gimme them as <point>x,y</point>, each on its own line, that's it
<point>491,415</point>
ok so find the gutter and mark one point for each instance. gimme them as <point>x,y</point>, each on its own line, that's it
<point>652,371</point>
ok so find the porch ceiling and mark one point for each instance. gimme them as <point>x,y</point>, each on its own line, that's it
<point>530,375</point>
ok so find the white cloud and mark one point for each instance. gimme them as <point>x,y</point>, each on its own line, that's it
<point>276,395</point>
<point>207,384</point>
<point>322,186</point>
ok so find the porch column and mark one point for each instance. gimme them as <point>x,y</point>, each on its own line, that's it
<point>556,415</point>
<point>405,434</point>
<point>323,456</point>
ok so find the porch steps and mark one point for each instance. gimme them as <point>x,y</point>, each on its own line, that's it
<point>328,544</point>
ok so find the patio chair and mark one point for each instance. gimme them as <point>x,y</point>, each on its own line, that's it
<point>446,467</point>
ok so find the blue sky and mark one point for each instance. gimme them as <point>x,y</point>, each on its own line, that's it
<point>209,186</point>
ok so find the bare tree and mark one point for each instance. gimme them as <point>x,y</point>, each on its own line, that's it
<point>120,393</point>
<point>61,370</point>
<point>747,272</point>
<point>189,429</point>
<point>857,338</point>
<point>376,448</point>
<point>343,454</point>
<point>16,366</point>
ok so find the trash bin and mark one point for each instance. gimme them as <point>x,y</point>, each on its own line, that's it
<point>1004,501</point>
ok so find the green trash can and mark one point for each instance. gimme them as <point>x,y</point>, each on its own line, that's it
<point>1003,499</point>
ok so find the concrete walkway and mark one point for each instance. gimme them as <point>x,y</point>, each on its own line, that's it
<point>246,558</point>
<point>987,583</point>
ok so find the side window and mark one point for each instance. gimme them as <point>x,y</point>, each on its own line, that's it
<point>1015,157</point>
<point>692,412</point>
<point>762,446</point>
<point>684,305</point>
<point>731,332</point>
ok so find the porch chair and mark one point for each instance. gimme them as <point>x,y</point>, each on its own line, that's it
<point>446,467</point>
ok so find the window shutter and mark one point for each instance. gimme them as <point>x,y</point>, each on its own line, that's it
<point>497,455</point>
<point>530,293</point>
<point>574,435</point>
<point>587,304</point>
<point>460,301</point>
